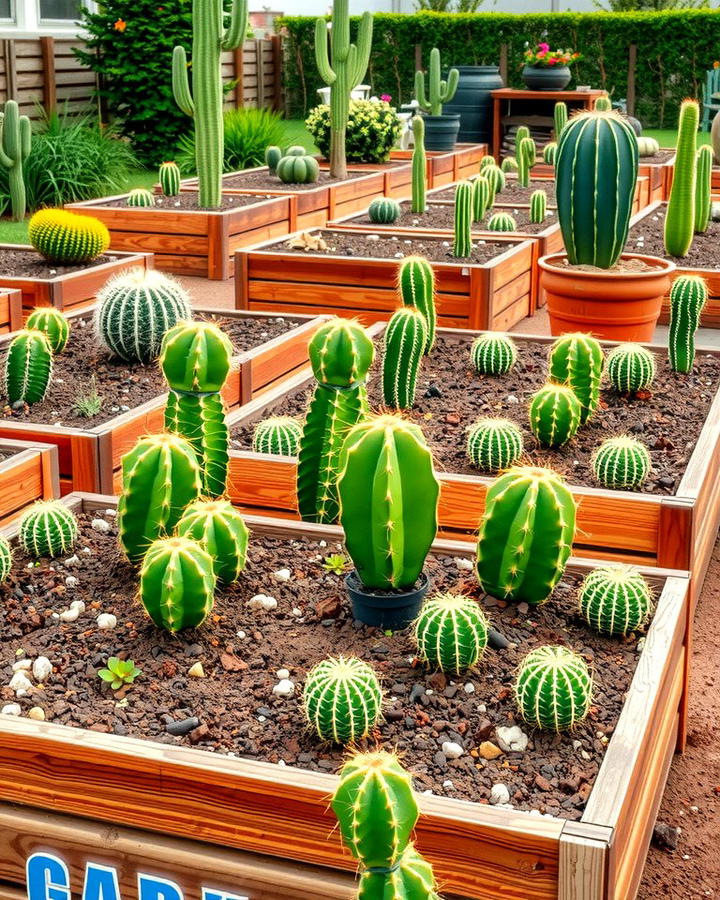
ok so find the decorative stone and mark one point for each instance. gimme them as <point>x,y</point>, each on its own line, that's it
<point>71,581</point>
<point>37,713</point>
<point>488,750</point>
<point>452,750</point>
<point>284,688</point>
<point>100,525</point>
<point>106,620</point>
<point>282,575</point>
<point>464,565</point>
<point>41,669</point>
<point>512,739</point>
<point>22,665</point>
<point>11,709</point>
<point>499,795</point>
<point>283,673</point>
<point>262,601</point>
<point>196,670</point>
<point>21,684</point>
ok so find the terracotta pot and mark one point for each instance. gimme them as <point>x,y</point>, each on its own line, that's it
<point>614,306</point>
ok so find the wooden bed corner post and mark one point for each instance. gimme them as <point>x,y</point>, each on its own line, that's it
<point>584,856</point>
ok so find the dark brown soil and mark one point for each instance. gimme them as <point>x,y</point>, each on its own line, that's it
<point>7,454</point>
<point>261,178</point>
<point>648,237</point>
<point>668,421</point>
<point>29,264</point>
<point>85,364</point>
<point>241,650</point>
<point>662,156</point>
<point>512,192</point>
<point>188,200</point>
<point>440,216</point>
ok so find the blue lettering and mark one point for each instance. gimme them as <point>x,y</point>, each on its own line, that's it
<point>152,887</point>
<point>47,878</point>
<point>101,883</point>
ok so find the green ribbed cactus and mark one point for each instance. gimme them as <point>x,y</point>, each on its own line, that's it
<point>688,296</point>
<point>509,164</point>
<point>298,170</point>
<point>343,73</point>
<point>418,203</point>
<point>48,528</point>
<point>595,176</point>
<point>413,879</point>
<point>28,367</point>
<point>553,689</point>
<point>538,207</point>
<point>296,150</point>
<point>525,160</point>
<point>53,324</point>
<point>493,353</point>
<point>680,213</point>
<point>555,414</point>
<point>405,339</point>
<point>221,531</point>
<point>602,104</point>
<point>621,462</point>
<point>273,155</point>
<point>526,535</point>
<point>417,288</point>
<point>342,699</point>
<point>15,142</point>
<point>160,477</point>
<point>703,188</point>
<point>496,177</point>
<point>135,310</point>
<point>648,146</point>
<point>439,91</point>
<point>384,211</point>
<point>481,198</point>
<point>388,502</point>
<point>615,599</point>
<point>462,244</point>
<point>491,186</point>
<point>577,360</point>
<point>630,368</point>
<point>521,133</point>
<point>141,197</point>
<point>451,632</point>
<point>486,161</point>
<point>205,102</point>
<point>6,558</point>
<point>279,435</point>
<point>501,221</point>
<point>340,353</point>
<point>560,115</point>
<point>195,359</point>
<point>65,238</point>
<point>550,153</point>
<point>177,583</point>
<point>169,177</point>
<point>494,444</point>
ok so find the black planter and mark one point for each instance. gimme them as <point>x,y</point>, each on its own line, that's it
<point>384,609</point>
<point>441,131</point>
<point>474,103</point>
<point>546,78</point>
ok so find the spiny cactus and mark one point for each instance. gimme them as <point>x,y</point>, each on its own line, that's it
<point>494,444</point>
<point>688,296</point>
<point>521,133</point>
<point>703,188</point>
<point>486,161</point>
<point>67,239</point>
<point>550,153</point>
<point>53,324</point>
<point>6,558</point>
<point>141,197</point>
<point>560,115</point>
<point>577,361</point>
<point>15,142</point>
<point>412,877</point>
<point>160,477</point>
<point>220,529</point>
<point>136,309</point>
<point>462,245</point>
<point>417,288</point>
<point>340,353</point>
<point>630,368</point>
<point>647,146</point>
<point>418,203</point>
<point>298,170</point>
<point>405,339</point>
<point>621,462</point>
<point>491,183</point>
<point>602,104</point>
<point>526,535</point>
<point>501,221</point>
<point>496,177</point>
<point>48,528</point>
<point>342,699</point>
<point>279,435</point>
<point>439,91</point>
<point>451,632</point>
<point>388,502</point>
<point>195,359</point>
<point>554,688</point>
<point>296,150</point>
<point>680,213</point>
<point>169,177</point>
<point>509,164</point>
<point>177,583</point>
<point>481,198</point>
<point>28,367</point>
<point>555,414</point>
<point>384,211</point>
<point>615,599</point>
<point>493,353</point>
<point>538,207</point>
<point>273,155</point>
<point>525,159</point>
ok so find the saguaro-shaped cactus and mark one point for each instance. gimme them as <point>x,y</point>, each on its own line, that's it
<point>342,73</point>
<point>554,688</point>
<point>703,187</point>
<point>222,532</point>
<point>560,115</point>
<point>451,632</point>
<point>342,699</point>
<point>526,535</point>
<point>177,583</point>
<point>615,599</point>
<point>28,367</point>
<point>417,288</point>
<point>688,296</point>
<point>462,245</point>
<point>577,361</point>
<point>555,414</point>
<point>439,91</point>
<point>680,214</point>
<point>494,444</point>
<point>48,528</point>
<point>205,102</point>
<point>169,177</point>
<point>419,167</point>
<point>538,207</point>
<point>15,140</point>
<point>405,339</point>
<point>630,368</point>
<point>53,324</point>
<point>481,198</point>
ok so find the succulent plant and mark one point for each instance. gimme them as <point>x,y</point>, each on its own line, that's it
<point>169,177</point>
<point>621,462</point>
<point>630,368</point>
<point>525,159</point>
<point>494,444</point>
<point>404,339</point>
<point>538,207</point>
<point>577,360</point>
<point>28,367</point>
<point>439,91</point>
<point>417,288</point>
<point>6,558</point>
<point>647,146</point>
<point>486,161</point>
<point>48,528</point>
<point>501,221</point>
<point>53,324</point>
<point>342,699</point>
<point>462,245</point>
<point>521,133</point>
<point>15,143</point>
<point>298,170</point>
<point>495,176</point>
<point>278,435</point>
<point>177,583</point>
<point>384,211</point>
<point>615,599</point>
<point>555,414</point>
<point>273,155</point>
<point>296,150</point>
<point>680,213</point>
<point>481,198</point>
<point>703,188</point>
<point>418,203</point>
<point>493,353</point>
<point>560,115</point>
<point>554,688</point>
<point>119,672</point>
<point>413,877</point>
<point>688,296</point>
<point>66,239</point>
<point>141,197</point>
<point>602,104</point>
<point>509,164</point>
<point>451,632</point>
<point>220,530</point>
<point>550,153</point>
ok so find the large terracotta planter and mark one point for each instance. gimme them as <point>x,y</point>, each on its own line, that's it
<point>614,306</point>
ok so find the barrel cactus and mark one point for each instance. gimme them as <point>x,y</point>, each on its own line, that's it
<point>501,221</point>
<point>577,360</point>
<point>615,599</point>
<point>384,211</point>
<point>680,213</point>
<point>48,528</point>
<point>405,339</point>
<point>6,558</point>
<point>538,207</point>
<point>494,444</point>
<point>648,146</point>
<point>279,435</point>
<point>220,529</point>
<point>65,238</point>
<point>416,280</point>
<point>451,632</point>
<point>342,699</point>
<point>141,197</point>
<point>703,188</point>
<point>485,162</point>
<point>553,689</point>
<point>603,104</point>
<point>630,368</point>
<point>273,155</point>
<point>53,324</point>
<point>169,177</point>
<point>495,177</point>
<point>688,296</point>
<point>621,462</point>
<point>555,414</point>
<point>28,367</point>
<point>462,245</point>
<point>493,353</point>
<point>298,170</point>
<point>177,583</point>
<point>481,198</point>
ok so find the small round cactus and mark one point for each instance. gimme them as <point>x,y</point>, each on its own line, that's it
<point>342,699</point>
<point>296,150</point>
<point>169,176</point>
<point>384,211</point>
<point>615,599</point>
<point>298,170</point>
<point>48,528</point>
<point>273,155</point>
<point>5,559</point>
<point>501,221</point>
<point>451,632</point>
<point>487,161</point>
<point>53,324</point>
<point>177,583</point>
<point>28,367</point>
<point>553,689</point>
<point>65,238</point>
<point>647,146</point>
<point>493,354</point>
<point>140,197</point>
<point>630,368</point>
<point>538,207</point>
<point>621,462</point>
<point>555,414</point>
<point>496,178</point>
<point>509,164</point>
<point>220,529</point>
<point>279,435</point>
<point>494,444</point>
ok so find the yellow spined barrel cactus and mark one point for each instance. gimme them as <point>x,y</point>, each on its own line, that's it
<point>65,238</point>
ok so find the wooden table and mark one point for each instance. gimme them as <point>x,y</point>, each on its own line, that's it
<point>503,99</point>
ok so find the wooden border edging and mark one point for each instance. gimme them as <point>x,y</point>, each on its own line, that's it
<point>30,474</point>
<point>11,311</point>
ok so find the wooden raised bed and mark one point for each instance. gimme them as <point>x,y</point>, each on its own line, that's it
<point>259,807</point>
<point>89,458</point>
<point>11,317</point>
<point>445,166</point>
<point>30,474</point>
<point>659,177</point>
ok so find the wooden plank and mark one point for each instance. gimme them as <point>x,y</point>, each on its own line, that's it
<point>583,861</point>
<point>47,45</point>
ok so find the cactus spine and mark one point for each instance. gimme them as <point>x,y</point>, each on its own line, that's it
<point>15,141</point>
<point>501,221</point>
<point>560,115</point>
<point>220,530</point>
<point>169,177</point>
<point>525,159</point>
<point>494,444</point>
<point>65,238</point>
<point>555,414</point>
<point>615,599</point>
<point>451,632</point>
<point>6,558</point>
<point>577,361</point>
<point>417,288</point>
<point>703,182</point>
<point>680,214</point>
<point>462,245</point>
<point>48,528</point>
<point>621,462</point>
<point>418,203</point>
<point>554,688</point>
<point>342,699</point>
<point>550,153</point>
<point>273,155</point>
<point>28,367</point>
<point>279,435</point>
<point>177,583</point>
<point>384,211</point>
<point>481,198</point>
<point>688,296</point>
<point>53,324</point>
<point>340,353</point>
<point>493,353</point>
<point>538,207</point>
<point>439,91</point>
<point>345,71</point>
<point>630,368</point>
<point>405,340</point>
<point>141,197</point>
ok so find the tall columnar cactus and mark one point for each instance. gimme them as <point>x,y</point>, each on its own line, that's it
<point>615,599</point>
<point>462,244</point>
<point>451,632</point>
<point>6,558</point>
<point>494,444</point>
<point>169,177</point>
<point>501,221</point>
<point>48,528</point>
<point>340,353</point>
<point>388,502</point>
<point>481,198</point>
<point>342,73</point>
<point>405,339</point>
<point>595,174</point>
<point>28,367</point>
<point>526,535</point>
<point>342,699</point>
<point>493,353</point>
<point>15,141</point>
<point>577,360</point>
<point>53,324</point>
<point>560,115</point>
<point>221,531</point>
<point>205,102</point>
<point>715,139</point>
<point>521,133</point>
<point>496,178</point>
<point>525,160</point>
<point>177,583</point>
<point>680,213</point>
<point>417,288</point>
<point>538,207</point>
<point>418,203</point>
<point>630,368</point>
<point>384,211</point>
<point>195,360</point>
<point>703,187</point>
<point>279,435</point>
<point>621,462</point>
<point>555,414</point>
<point>688,296</point>
<point>550,153</point>
<point>553,689</point>
<point>65,238</point>
<point>439,91</point>
<point>160,477</point>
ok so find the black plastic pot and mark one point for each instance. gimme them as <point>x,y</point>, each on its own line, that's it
<point>441,131</point>
<point>546,78</point>
<point>384,609</point>
<point>473,102</point>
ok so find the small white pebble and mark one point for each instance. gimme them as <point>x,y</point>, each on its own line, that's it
<point>463,564</point>
<point>262,601</point>
<point>22,664</point>
<point>499,795</point>
<point>452,750</point>
<point>79,605</point>
<point>21,684</point>
<point>70,615</point>
<point>42,667</point>
<point>196,670</point>
<point>284,688</point>
<point>322,543</point>
<point>469,688</point>
<point>37,713</point>
<point>11,709</point>
<point>282,674</point>
<point>448,784</point>
<point>100,525</point>
<point>111,513</point>
<point>282,575</point>
<point>296,611</point>
<point>240,634</point>
<point>73,560</point>
<point>86,551</point>
<point>106,620</point>
<point>71,581</point>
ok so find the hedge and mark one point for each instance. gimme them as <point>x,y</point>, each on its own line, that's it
<point>674,50</point>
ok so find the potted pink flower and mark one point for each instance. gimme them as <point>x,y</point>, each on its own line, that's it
<point>547,70</point>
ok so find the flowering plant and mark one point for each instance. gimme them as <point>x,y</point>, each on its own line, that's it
<point>542,55</point>
<point>372,130</point>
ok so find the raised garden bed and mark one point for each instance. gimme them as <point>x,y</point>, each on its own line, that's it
<point>11,317</point>
<point>446,166</point>
<point>268,351</point>
<point>492,290</point>
<point>591,843</point>
<point>657,169</point>
<point>28,472</point>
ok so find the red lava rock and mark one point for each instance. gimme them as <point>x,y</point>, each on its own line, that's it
<point>198,734</point>
<point>452,419</point>
<point>329,607</point>
<point>231,663</point>
<point>437,681</point>
<point>542,783</point>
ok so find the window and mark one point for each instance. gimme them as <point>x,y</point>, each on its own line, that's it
<point>59,10</point>
<point>6,10</point>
